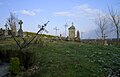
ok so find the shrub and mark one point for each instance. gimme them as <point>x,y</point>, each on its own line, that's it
<point>14,65</point>
<point>28,58</point>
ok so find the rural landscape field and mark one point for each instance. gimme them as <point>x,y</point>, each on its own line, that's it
<point>67,59</point>
<point>60,38</point>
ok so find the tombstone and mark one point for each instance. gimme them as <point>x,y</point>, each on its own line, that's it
<point>78,36</point>
<point>1,32</point>
<point>60,36</point>
<point>6,30</point>
<point>71,33</point>
<point>105,42</point>
<point>66,39</point>
<point>20,31</point>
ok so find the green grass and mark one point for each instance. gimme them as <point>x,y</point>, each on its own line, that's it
<point>69,59</point>
<point>72,59</point>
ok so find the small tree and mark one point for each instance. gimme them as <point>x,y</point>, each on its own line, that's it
<point>114,17</point>
<point>101,22</point>
<point>12,22</point>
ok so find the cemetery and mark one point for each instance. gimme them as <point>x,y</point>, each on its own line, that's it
<point>58,57</point>
<point>29,54</point>
<point>35,43</point>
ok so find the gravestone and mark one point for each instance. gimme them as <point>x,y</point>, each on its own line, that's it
<point>6,30</point>
<point>105,42</point>
<point>60,36</point>
<point>78,36</point>
<point>20,31</point>
<point>1,32</point>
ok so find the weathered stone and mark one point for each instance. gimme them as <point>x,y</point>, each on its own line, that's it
<point>6,30</point>
<point>71,33</point>
<point>78,37</point>
<point>20,31</point>
<point>1,32</point>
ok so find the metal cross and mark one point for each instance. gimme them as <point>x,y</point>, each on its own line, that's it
<point>56,29</point>
<point>65,28</point>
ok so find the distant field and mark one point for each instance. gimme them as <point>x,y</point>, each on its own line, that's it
<point>72,59</point>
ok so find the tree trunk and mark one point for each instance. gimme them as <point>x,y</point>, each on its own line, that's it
<point>117,42</point>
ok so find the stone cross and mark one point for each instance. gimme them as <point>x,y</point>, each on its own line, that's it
<point>20,31</point>
<point>20,22</point>
<point>104,39</point>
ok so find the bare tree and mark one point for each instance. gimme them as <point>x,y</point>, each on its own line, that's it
<point>114,17</point>
<point>102,23</point>
<point>12,22</point>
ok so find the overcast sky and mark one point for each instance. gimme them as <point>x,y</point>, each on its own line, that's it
<point>58,12</point>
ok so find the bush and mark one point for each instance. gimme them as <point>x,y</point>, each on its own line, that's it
<point>14,65</point>
<point>28,58</point>
<point>6,55</point>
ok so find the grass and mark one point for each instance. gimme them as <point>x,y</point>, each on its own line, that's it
<point>72,59</point>
<point>69,59</point>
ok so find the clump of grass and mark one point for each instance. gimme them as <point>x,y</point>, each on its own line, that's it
<point>14,65</point>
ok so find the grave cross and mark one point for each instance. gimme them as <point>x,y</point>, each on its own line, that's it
<point>25,44</point>
<point>104,36</point>
<point>20,22</point>
<point>81,35</point>
<point>6,30</point>
<point>104,39</point>
<point>65,28</point>
<point>20,31</point>
<point>56,29</point>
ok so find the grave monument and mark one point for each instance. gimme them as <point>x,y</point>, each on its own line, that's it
<point>71,33</point>
<point>20,31</point>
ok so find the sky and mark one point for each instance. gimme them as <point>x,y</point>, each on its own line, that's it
<point>58,12</point>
